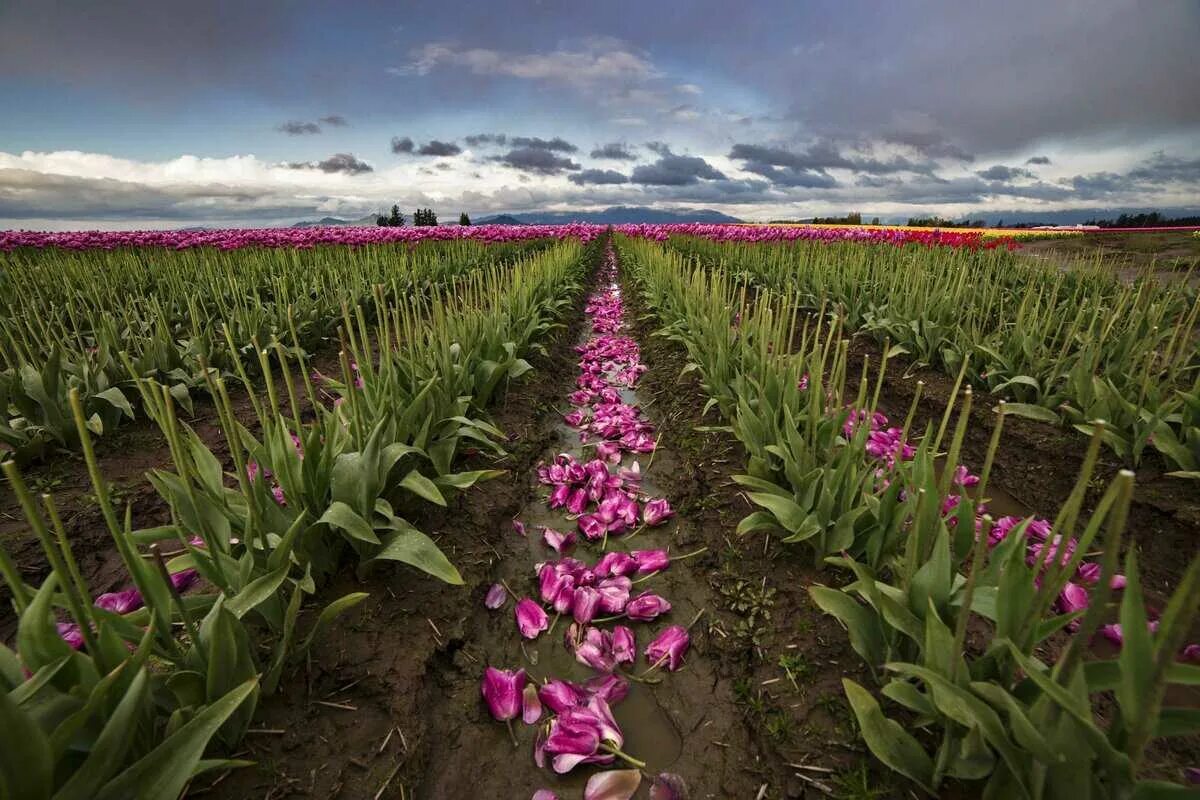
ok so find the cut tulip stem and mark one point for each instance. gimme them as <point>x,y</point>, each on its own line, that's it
<point>616,751</point>
<point>636,531</point>
<point>512,734</point>
<point>689,555</point>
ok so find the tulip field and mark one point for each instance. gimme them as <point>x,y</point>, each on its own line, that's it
<point>551,512</point>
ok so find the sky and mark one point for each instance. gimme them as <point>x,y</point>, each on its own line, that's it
<point>131,114</point>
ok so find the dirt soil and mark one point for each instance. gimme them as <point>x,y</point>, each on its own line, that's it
<point>1169,254</point>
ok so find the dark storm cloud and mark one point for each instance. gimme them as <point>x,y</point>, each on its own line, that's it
<point>617,151</point>
<point>480,139</point>
<point>1039,160</point>
<point>402,145</point>
<point>807,168</point>
<point>298,128</point>
<point>1161,168</point>
<point>334,121</point>
<point>673,170</point>
<point>557,144</point>
<point>438,148</point>
<point>537,160</point>
<point>28,194</point>
<point>338,162</point>
<point>995,82</point>
<point>660,148</point>
<point>999,172</point>
<point>598,177</point>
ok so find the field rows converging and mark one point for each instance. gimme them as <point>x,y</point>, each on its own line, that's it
<point>549,512</point>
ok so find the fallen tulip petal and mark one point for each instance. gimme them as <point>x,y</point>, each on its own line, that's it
<point>615,784</point>
<point>531,618</point>
<point>531,705</point>
<point>668,786</point>
<point>496,596</point>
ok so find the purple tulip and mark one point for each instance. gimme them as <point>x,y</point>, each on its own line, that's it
<point>531,618</point>
<point>616,564</point>
<point>531,706</point>
<point>1073,598</point>
<point>613,784</point>
<point>586,601</point>
<point>1089,573</point>
<point>576,736</point>
<point>518,526</point>
<point>184,579</point>
<point>496,596</point>
<point>668,786</point>
<point>624,646</point>
<point>592,527</point>
<point>120,602</point>
<point>609,687</point>
<point>577,502</point>
<point>550,580</point>
<point>559,495</point>
<point>646,606</point>
<point>558,695</point>
<point>651,560</point>
<point>596,650</point>
<point>1192,775</point>
<point>502,690</point>
<point>657,511</point>
<point>614,594</point>
<point>669,647</point>
<point>70,633</point>
<point>1191,653</point>
<point>564,601</point>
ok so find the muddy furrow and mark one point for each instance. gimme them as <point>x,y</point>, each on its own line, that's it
<point>685,722</point>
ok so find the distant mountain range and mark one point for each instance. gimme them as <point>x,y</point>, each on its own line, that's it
<point>615,215</point>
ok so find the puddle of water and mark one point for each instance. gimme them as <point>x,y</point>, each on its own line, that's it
<point>649,732</point>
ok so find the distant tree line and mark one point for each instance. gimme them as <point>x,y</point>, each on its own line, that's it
<point>853,218</point>
<point>421,218</point>
<point>1154,219</point>
<point>942,222</point>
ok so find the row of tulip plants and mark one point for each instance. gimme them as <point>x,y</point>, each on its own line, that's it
<point>1063,346</point>
<point>124,694</point>
<point>65,316</point>
<point>978,631</point>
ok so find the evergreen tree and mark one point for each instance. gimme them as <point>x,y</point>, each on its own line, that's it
<point>464,220</point>
<point>396,220</point>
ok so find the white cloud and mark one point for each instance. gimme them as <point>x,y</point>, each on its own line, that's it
<point>592,62</point>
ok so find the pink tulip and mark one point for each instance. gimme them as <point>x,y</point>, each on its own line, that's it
<point>651,560</point>
<point>518,526</point>
<point>120,602</point>
<point>584,604</point>
<point>613,784</point>
<point>70,633</point>
<point>596,650</point>
<point>646,607</point>
<point>624,646</point>
<point>531,618</point>
<point>550,581</point>
<point>184,579</point>
<point>502,690</point>
<point>576,736</point>
<point>614,594</point>
<point>657,511</point>
<point>496,596</point>
<point>609,687</point>
<point>669,647</point>
<point>544,794</point>
<point>592,527</point>
<point>565,599</point>
<point>577,502</point>
<point>558,695</point>
<point>1073,598</point>
<point>559,495</point>
<point>616,564</point>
